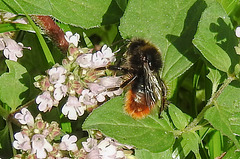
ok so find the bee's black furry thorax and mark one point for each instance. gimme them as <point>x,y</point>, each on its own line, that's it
<point>140,52</point>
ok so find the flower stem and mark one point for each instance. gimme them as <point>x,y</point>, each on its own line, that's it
<point>209,104</point>
<point>9,124</point>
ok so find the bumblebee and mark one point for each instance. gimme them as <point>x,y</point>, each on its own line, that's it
<point>146,88</point>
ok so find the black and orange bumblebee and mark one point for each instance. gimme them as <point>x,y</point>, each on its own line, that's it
<point>145,87</point>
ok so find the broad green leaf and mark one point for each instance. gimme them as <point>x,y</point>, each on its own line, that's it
<point>144,154</point>
<point>179,119</point>
<point>192,140</point>
<point>228,104</point>
<point>14,84</point>
<point>150,133</point>
<point>215,38</point>
<point>188,142</point>
<point>84,13</point>
<point>170,26</point>
<point>220,122</point>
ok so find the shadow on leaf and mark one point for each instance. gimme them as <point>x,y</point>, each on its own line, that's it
<point>226,39</point>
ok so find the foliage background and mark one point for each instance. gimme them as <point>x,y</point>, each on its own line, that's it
<point>201,70</point>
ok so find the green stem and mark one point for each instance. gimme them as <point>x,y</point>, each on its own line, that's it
<point>196,77</point>
<point>209,104</point>
<point>198,127</point>
<point>9,124</point>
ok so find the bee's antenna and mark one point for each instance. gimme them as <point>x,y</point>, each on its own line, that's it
<point>124,41</point>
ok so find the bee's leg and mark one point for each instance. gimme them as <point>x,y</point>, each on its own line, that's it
<point>164,101</point>
<point>128,81</point>
<point>124,84</point>
<point>114,68</point>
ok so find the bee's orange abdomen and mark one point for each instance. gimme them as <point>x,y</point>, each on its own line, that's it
<point>136,105</point>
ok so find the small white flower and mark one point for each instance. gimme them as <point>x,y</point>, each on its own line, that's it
<point>107,53</point>
<point>110,82</point>
<point>120,155</point>
<point>87,98</point>
<point>22,142</point>
<point>57,75</point>
<point>84,60</point>
<point>40,145</point>
<point>106,149</point>
<point>25,117</point>
<point>45,101</point>
<point>94,154</point>
<point>73,108</point>
<point>101,97</point>
<point>118,92</point>
<point>90,144</point>
<point>21,21</point>
<point>237,32</point>
<point>72,38</point>
<point>98,60</point>
<point>68,143</point>
<point>60,91</point>
<point>8,15</point>
<point>11,49</point>
<point>2,44</point>
<point>103,57</point>
<point>95,88</point>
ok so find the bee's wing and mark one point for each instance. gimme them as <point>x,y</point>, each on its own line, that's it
<point>155,89</point>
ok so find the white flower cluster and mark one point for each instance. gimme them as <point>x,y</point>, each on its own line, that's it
<point>11,49</point>
<point>36,139</point>
<point>78,79</point>
<point>106,149</point>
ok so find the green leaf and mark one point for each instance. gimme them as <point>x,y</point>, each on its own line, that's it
<point>122,4</point>
<point>215,76</point>
<point>215,38</point>
<point>232,152</point>
<point>228,5</point>
<point>14,84</point>
<point>215,144</point>
<point>113,14</point>
<point>5,144</point>
<point>220,122</point>
<point>84,13</point>
<point>180,119</point>
<point>228,105</point>
<point>150,133</point>
<point>170,26</point>
<point>14,27</point>
<point>188,142</point>
<point>45,48</point>
<point>66,127</point>
<point>144,154</point>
